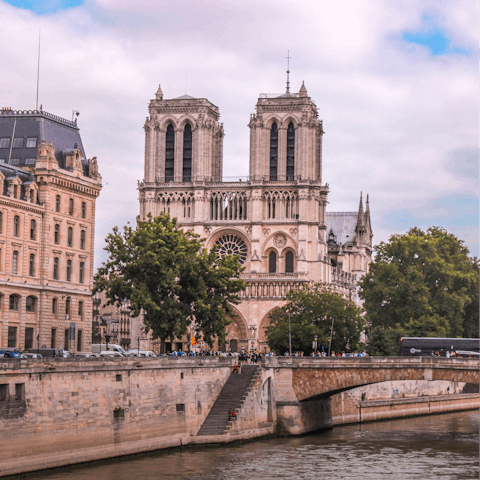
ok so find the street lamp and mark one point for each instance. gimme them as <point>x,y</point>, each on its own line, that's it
<point>289,336</point>
<point>330,338</point>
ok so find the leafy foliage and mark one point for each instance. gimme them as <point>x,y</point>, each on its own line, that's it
<point>423,283</point>
<point>312,310</point>
<point>169,276</point>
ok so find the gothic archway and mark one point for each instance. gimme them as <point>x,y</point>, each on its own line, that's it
<point>236,334</point>
<point>262,331</point>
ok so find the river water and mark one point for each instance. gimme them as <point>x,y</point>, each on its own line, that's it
<point>437,447</point>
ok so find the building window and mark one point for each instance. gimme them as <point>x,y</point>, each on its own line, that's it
<point>80,309</point>
<point>31,142</point>
<point>12,337</point>
<point>69,270</point>
<point>70,206</point>
<point>272,262</point>
<point>28,337</point>
<point>33,227</point>
<point>15,262</point>
<point>70,236</point>
<point>30,305</point>
<point>290,151</point>
<point>18,142</point>
<point>5,142</point>
<point>67,339</point>
<point>30,161</point>
<point>84,209</point>
<point>289,262</point>
<point>57,203</point>
<point>82,268</point>
<point>55,268</point>
<point>13,303</point>
<point>82,239</point>
<point>273,152</point>
<point>67,306</point>
<point>187,153</point>
<point>169,153</point>
<point>57,231</point>
<point>16,225</point>
<point>53,338</point>
<point>79,341</point>
<point>54,306</point>
<point>15,161</point>
<point>31,268</point>
<point>1,222</point>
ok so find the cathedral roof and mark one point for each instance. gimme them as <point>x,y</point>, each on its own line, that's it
<point>343,226</point>
<point>185,97</point>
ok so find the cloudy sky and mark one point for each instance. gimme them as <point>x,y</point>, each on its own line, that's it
<point>396,83</point>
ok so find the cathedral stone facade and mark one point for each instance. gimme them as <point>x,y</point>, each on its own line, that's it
<point>276,219</point>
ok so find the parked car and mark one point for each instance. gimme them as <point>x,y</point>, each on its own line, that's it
<point>31,355</point>
<point>83,355</point>
<point>111,354</point>
<point>10,353</point>
<point>45,352</point>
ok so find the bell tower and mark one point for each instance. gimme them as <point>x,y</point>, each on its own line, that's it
<point>183,140</point>
<point>286,138</point>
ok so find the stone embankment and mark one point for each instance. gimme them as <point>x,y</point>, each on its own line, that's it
<point>56,412</point>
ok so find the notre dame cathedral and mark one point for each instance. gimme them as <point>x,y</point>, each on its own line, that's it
<point>276,219</point>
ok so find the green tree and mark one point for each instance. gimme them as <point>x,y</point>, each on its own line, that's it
<point>422,277</point>
<point>311,310</point>
<point>169,276</point>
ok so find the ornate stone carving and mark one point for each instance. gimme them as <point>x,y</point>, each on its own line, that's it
<point>207,230</point>
<point>266,231</point>
<point>93,167</point>
<point>294,231</point>
<point>248,230</point>
<point>280,240</point>
<point>230,244</point>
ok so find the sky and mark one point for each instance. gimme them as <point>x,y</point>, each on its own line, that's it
<point>396,84</point>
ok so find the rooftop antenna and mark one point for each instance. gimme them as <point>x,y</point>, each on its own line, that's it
<point>288,71</point>
<point>38,65</point>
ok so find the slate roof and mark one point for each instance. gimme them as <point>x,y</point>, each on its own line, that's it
<point>343,225</point>
<point>185,97</point>
<point>40,125</point>
<point>11,172</point>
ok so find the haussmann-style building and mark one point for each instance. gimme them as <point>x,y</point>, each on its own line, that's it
<point>48,190</point>
<point>276,219</point>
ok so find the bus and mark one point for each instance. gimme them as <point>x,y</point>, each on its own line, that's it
<point>427,346</point>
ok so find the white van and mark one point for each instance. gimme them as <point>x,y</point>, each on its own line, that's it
<point>111,347</point>
<point>110,354</point>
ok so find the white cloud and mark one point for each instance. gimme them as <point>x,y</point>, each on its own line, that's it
<point>394,116</point>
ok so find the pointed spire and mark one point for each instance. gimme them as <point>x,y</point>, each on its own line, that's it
<point>159,93</point>
<point>288,71</point>
<point>361,215</point>
<point>303,91</point>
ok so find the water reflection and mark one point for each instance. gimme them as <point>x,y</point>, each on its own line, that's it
<point>438,447</point>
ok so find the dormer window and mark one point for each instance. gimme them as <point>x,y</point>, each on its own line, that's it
<point>18,142</point>
<point>31,142</point>
<point>5,142</point>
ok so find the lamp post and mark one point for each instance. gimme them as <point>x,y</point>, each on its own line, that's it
<point>330,338</point>
<point>289,336</point>
<point>138,346</point>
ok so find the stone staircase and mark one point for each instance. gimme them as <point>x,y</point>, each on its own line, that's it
<point>232,396</point>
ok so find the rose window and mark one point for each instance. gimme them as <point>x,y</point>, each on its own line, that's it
<point>230,244</point>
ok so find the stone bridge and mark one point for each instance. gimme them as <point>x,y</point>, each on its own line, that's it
<point>303,385</point>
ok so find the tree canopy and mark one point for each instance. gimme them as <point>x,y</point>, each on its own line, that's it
<point>312,309</point>
<point>422,284</point>
<point>168,275</point>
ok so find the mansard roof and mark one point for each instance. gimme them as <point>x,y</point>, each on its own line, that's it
<point>343,226</point>
<point>42,126</point>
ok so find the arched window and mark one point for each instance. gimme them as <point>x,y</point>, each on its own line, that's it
<point>290,151</point>
<point>81,272</point>
<point>80,309</point>
<point>187,153</point>
<point>33,227</point>
<point>13,302</point>
<point>15,262</point>
<point>57,231</point>
<point>70,206</point>
<point>55,268</point>
<point>169,153</point>
<point>31,268</point>
<point>70,236</point>
<point>57,203</point>
<point>54,306</point>
<point>67,306</point>
<point>69,270</point>
<point>273,152</point>
<point>84,209</point>
<point>1,222</point>
<point>289,262</point>
<point>16,225</point>
<point>272,262</point>
<point>82,239</point>
<point>31,303</point>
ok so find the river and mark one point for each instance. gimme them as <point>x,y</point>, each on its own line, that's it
<point>437,447</point>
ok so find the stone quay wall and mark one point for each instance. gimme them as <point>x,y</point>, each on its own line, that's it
<point>63,411</point>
